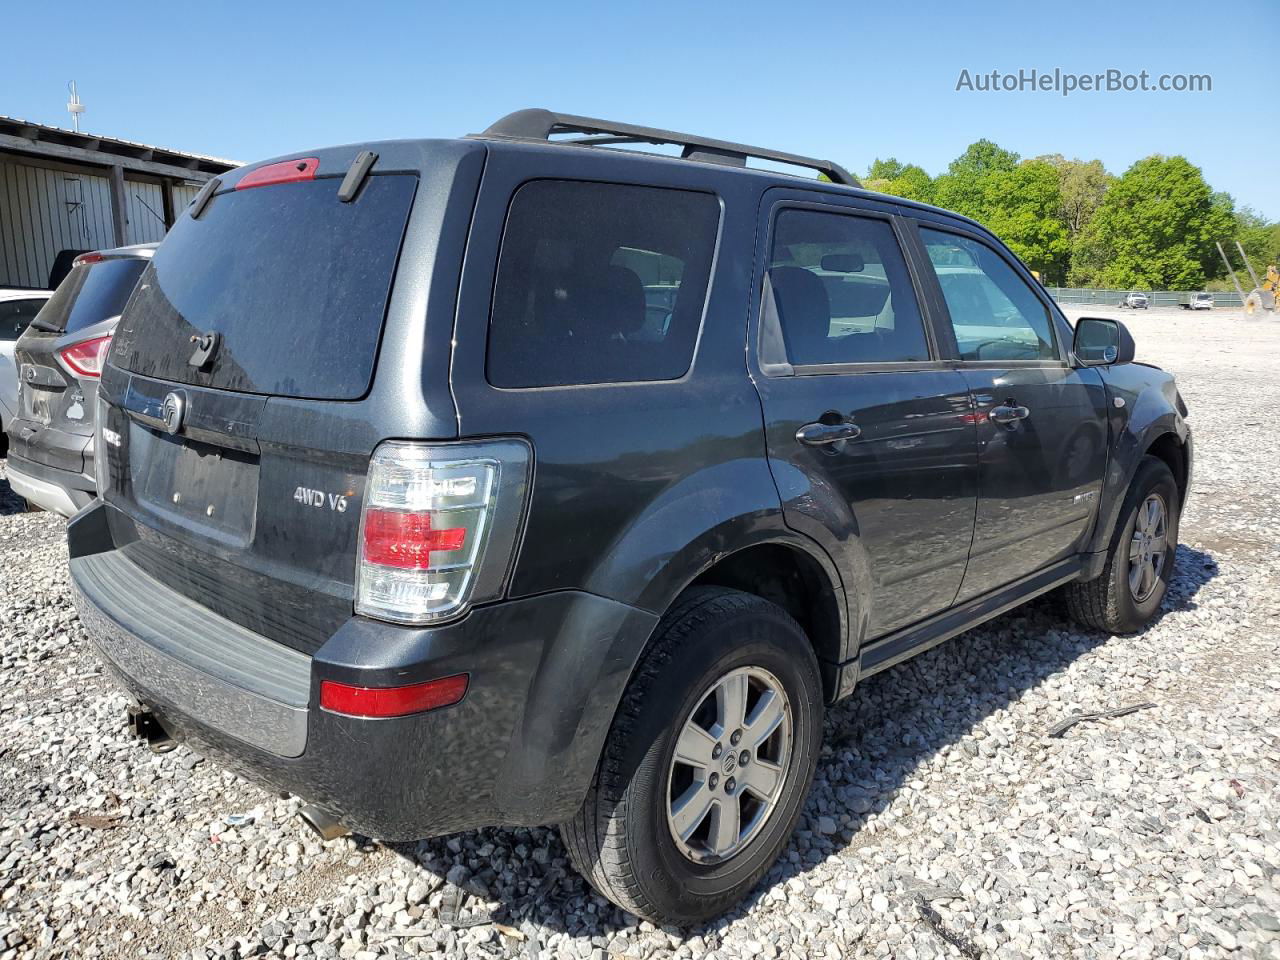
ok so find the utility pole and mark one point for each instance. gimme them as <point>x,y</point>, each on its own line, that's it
<point>74,106</point>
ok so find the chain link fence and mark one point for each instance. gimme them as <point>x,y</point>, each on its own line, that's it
<point>1157,298</point>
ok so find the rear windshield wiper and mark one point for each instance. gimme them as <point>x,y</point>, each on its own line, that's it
<point>45,327</point>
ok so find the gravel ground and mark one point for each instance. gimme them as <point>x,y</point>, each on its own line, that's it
<point>944,821</point>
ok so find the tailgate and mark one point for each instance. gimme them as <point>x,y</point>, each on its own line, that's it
<point>236,424</point>
<point>259,529</point>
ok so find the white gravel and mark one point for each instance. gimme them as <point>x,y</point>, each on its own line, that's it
<point>944,820</point>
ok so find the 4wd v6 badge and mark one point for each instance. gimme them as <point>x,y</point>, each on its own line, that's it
<point>318,498</point>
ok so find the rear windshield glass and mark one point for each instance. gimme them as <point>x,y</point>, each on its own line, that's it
<point>91,292</point>
<point>15,315</point>
<point>600,283</point>
<point>294,282</point>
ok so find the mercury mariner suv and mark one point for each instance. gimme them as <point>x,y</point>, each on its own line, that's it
<point>526,478</point>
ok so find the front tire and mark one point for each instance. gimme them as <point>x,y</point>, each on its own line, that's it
<point>708,761</point>
<point>1139,566</point>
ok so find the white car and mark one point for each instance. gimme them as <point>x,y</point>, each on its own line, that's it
<point>1135,301</point>
<point>17,308</point>
<point>1202,301</point>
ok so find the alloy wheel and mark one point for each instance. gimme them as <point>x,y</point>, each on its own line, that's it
<point>730,765</point>
<point>1149,547</point>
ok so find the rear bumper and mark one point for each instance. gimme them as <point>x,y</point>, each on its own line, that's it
<point>545,672</point>
<point>49,488</point>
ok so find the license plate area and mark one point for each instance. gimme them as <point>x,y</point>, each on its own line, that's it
<point>39,402</point>
<point>201,487</point>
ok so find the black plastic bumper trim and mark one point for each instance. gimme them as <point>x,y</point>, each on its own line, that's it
<point>232,679</point>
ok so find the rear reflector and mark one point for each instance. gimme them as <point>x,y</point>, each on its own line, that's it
<point>85,359</point>
<point>392,701</point>
<point>287,171</point>
<point>84,258</point>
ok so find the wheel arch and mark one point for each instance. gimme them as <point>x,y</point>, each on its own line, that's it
<point>766,560</point>
<point>809,589</point>
<point>1162,440</point>
<point>1172,449</point>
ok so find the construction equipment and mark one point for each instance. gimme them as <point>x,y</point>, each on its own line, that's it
<point>1264,293</point>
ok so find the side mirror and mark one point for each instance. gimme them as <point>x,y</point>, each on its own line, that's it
<point>1100,342</point>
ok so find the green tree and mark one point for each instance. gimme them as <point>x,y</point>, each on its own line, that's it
<point>1155,228</point>
<point>966,187</point>
<point>1260,239</point>
<point>911,182</point>
<point>889,169</point>
<point>981,157</point>
<point>1083,186</point>
<point>1021,203</point>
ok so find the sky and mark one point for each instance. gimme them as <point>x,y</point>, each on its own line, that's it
<point>254,80</point>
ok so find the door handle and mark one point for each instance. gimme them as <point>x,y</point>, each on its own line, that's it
<point>819,433</point>
<point>1008,413</point>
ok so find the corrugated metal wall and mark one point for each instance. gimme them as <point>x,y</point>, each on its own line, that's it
<point>45,210</point>
<point>183,194</point>
<point>146,212</point>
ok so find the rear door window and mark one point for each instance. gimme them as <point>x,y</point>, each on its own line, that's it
<point>599,283</point>
<point>90,293</point>
<point>841,291</point>
<point>294,282</point>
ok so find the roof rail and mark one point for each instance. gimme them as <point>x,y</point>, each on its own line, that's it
<point>537,124</point>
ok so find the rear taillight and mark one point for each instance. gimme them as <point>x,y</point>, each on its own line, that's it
<point>86,258</point>
<point>85,359</point>
<point>439,527</point>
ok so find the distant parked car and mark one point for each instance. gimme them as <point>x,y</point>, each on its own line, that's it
<point>1200,301</point>
<point>17,308</point>
<point>59,360</point>
<point>1135,301</point>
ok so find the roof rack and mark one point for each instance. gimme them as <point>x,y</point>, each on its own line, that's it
<point>537,124</point>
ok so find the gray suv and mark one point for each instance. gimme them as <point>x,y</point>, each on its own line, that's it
<point>524,479</point>
<point>58,362</point>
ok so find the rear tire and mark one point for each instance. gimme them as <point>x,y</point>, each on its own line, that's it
<point>642,837</point>
<point>1128,593</point>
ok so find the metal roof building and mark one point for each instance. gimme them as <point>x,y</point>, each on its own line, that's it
<point>65,190</point>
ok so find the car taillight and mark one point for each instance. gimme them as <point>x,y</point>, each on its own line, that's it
<point>439,526</point>
<point>86,358</point>
<point>86,258</point>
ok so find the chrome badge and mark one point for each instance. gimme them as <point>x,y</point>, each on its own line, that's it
<point>174,411</point>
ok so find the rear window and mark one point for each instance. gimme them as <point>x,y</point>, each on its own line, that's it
<point>600,283</point>
<point>16,314</point>
<point>294,282</point>
<point>90,293</point>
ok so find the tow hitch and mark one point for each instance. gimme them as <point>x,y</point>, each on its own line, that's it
<point>146,727</point>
